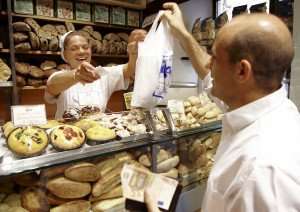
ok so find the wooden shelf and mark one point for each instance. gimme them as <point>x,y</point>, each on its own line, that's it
<point>6,84</point>
<point>58,54</point>
<point>120,3</point>
<point>110,26</point>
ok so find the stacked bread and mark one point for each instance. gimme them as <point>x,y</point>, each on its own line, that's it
<point>198,110</point>
<point>82,187</point>
<point>5,71</point>
<point>197,157</point>
<point>111,43</point>
<point>36,76</point>
<point>166,163</point>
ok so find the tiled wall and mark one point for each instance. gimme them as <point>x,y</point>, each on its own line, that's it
<point>295,75</point>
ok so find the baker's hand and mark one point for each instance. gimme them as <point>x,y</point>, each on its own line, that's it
<point>150,201</point>
<point>136,36</point>
<point>174,17</point>
<point>86,73</point>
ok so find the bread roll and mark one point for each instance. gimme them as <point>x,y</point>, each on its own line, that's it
<point>19,37</point>
<point>21,27</point>
<point>114,193</point>
<point>34,41</point>
<point>69,26</point>
<point>20,81</point>
<point>73,206</point>
<point>17,209</point>
<point>108,205</point>
<point>43,43</point>
<point>22,68</point>
<point>101,187</point>
<point>34,199</point>
<point>96,35</point>
<point>49,72</point>
<point>13,200</point>
<point>124,36</point>
<point>166,165</point>
<point>53,44</point>
<point>35,82</point>
<point>112,37</point>
<point>172,173</point>
<point>61,29</point>
<point>88,29</point>
<point>64,188</point>
<point>54,200</point>
<point>33,24</point>
<point>36,72</point>
<point>82,172</point>
<point>23,46</point>
<point>48,64</point>
<point>49,173</point>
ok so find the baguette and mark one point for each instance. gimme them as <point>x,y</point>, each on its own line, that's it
<point>100,187</point>
<point>83,172</point>
<point>114,193</point>
<point>74,206</point>
<point>106,205</point>
<point>166,165</point>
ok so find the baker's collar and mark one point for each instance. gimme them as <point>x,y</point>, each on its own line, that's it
<point>247,114</point>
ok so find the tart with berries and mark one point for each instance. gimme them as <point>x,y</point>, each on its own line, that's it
<point>66,137</point>
<point>27,141</point>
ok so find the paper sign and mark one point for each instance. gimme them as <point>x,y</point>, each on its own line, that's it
<point>28,115</point>
<point>176,106</point>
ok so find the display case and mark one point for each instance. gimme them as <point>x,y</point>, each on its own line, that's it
<point>89,177</point>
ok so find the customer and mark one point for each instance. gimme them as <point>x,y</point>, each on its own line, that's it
<point>257,164</point>
<point>84,84</point>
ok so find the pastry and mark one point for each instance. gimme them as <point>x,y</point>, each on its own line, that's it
<point>69,189</point>
<point>72,114</point>
<point>86,124</point>
<point>27,141</point>
<point>82,172</point>
<point>50,124</point>
<point>34,199</point>
<point>99,133</point>
<point>89,110</point>
<point>66,137</point>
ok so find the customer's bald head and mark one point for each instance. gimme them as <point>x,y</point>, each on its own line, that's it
<point>264,41</point>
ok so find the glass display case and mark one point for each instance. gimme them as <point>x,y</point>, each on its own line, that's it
<point>88,178</point>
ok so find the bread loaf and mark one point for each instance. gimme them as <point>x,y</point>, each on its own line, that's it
<point>50,28</point>
<point>74,206</point>
<point>64,67</point>
<point>21,27</point>
<point>33,24</point>
<point>5,71</point>
<point>53,44</point>
<point>64,188</point>
<point>43,44</point>
<point>124,36</point>
<point>85,34</point>
<point>23,46</point>
<point>17,209</point>
<point>109,205</point>
<point>112,37</point>
<point>49,173</point>
<point>172,173</point>
<point>26,179</point>
<point>22,68</point>
<point>69,26</point>
<point>34,40</point>
<point>35,82</point>
<point>82,172</point>
<point>44,34</point>
<point>61,29</point>
<point>114,193</point>
<point>36,72</point>
<point>47,65</point>
<point>166,165</point>
<point>54,200</point>
<point>88,29</point>
<point>13,200</point>
<point>19,37</point>
<point>96,35</point>
<point>100,187</point>
<point>105,47</point>
<point>34,199</point>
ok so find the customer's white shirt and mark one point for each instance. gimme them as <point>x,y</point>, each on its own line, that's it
<point>257,164</point>
<point>96,93</point>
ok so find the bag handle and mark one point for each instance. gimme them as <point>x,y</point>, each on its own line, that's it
<point>154,26</point>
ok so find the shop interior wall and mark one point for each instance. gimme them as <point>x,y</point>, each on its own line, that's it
<point>295,72</point>
<point>183,70</point>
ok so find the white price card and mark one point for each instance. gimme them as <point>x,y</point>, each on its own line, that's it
<point>176,106</point>
<point>28,115</point>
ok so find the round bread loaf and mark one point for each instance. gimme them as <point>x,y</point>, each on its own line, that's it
<point>99,133</point>
<point>35,82</point>
<point>61,29</point>
<point>36,72</point>
<point>53,44</point>
<point>34,199</point>
<point>22,68</point>
<point>19,37</point>
<point>33,24</point>
<point>23,46</point>
<point>124,36</point>
<point>21,27</point>
<point>43,44</point>
<point>34,40</point>
<point>47,65</point>
<point>112,37</point>
<point>83,172</point>
<point>88,29</point>
<point>21,81</point>
<point>97,35</point>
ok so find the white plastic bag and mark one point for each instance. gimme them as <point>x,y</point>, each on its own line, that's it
<point>153,66</point>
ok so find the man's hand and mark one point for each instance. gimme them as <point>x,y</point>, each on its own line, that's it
<point>86,73</point>
<point>150,202</point>
<point>173,16</point>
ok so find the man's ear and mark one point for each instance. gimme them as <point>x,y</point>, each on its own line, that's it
<point>244,71</point>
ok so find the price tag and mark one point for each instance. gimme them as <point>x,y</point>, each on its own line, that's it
<point>176,106</point>
<point>127,99</point>
<point>26,115</point>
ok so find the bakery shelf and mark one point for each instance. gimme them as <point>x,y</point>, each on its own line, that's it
<point>53,19</point>
<point>57,158</point>
<point>6,84</point>
<point>141,4</point>
<point>58,53</point>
